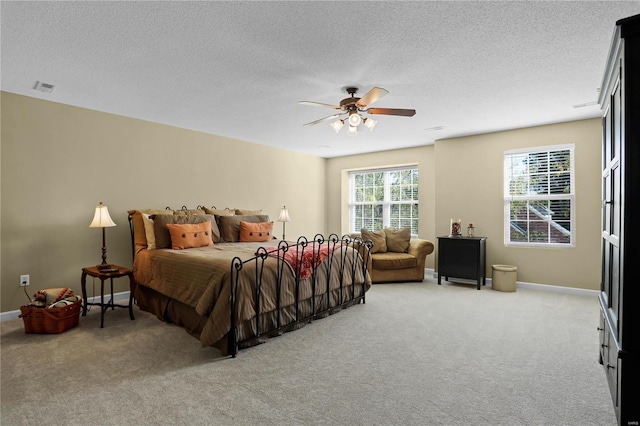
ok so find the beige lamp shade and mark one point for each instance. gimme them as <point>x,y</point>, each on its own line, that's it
<point>284,215</point>
<point>101,218</point>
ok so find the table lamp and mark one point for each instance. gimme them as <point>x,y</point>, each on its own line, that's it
<point>284,218</point>
<point>101,219</point>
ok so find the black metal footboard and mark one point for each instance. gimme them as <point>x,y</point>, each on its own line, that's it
<point>309,263</point>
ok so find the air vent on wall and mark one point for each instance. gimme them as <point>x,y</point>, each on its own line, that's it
<point>44,87</point>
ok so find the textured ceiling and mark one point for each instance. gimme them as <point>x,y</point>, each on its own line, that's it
<point>239,68</point>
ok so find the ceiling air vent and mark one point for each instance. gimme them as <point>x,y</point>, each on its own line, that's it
<point>44,87</point>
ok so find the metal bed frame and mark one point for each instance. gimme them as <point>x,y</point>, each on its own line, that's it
<point>360,250</point>
<point>346,298</point>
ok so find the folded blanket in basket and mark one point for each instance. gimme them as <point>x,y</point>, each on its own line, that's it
<point>54,297</point>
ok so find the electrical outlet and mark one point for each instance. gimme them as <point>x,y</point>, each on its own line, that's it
<point>24,280</point>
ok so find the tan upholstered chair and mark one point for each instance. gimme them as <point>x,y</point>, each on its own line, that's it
<point>397,266</point>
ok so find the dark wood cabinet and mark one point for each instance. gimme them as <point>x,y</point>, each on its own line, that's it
<point>619,326</point>
<point>462,257</point>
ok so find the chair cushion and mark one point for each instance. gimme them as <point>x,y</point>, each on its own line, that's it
<point>390,260</point>
<point>398,239</point>
<point>378,239</point>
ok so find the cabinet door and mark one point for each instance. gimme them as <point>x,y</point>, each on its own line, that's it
<point>611,219</point>
<point>612,369</point>
<point>609,359</point>
<point>603,338</point>
<point>459,258</point>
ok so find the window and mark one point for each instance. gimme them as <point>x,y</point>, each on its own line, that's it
<point>539,192</point>
<point>383,198</point>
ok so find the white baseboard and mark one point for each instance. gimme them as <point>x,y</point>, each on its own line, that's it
<point>12,315</point>
<point>558,288</point>
<point>533,286</point>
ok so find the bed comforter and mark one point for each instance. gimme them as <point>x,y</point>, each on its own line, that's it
<point>201,279</point>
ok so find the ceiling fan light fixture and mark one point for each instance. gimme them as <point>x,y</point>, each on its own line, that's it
<point>370,123</point>
<point>354,119</point>
<point>354,107</point>
<point>337,125</point>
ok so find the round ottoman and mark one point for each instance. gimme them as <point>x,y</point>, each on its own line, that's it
<point>504,277</point>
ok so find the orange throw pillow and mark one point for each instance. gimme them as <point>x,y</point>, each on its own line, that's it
<point>255,232</point>
<point>190,235</point>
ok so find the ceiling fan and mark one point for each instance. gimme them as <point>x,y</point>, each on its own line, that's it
<point>354,107</point>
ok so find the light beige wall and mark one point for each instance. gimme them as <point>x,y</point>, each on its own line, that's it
<point>469,185</point>
<point>463,178</point>
<point>338,186</point>
<point>59,161</point>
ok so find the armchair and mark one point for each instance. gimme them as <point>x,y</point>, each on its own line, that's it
<point>390,264</point>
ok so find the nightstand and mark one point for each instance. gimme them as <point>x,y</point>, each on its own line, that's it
<point>462,257</point>
<point>102,276</point>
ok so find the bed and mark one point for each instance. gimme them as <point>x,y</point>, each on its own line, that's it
<point>234,293</point>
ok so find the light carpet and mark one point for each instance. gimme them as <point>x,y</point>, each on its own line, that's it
<point>414,354</point>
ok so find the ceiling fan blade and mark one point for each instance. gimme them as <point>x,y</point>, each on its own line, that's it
<point>392,111</point>
<point>319,104</point>
<point>322,119</point>
<point>371,96</point>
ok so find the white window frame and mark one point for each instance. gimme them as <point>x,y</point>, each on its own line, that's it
<point>386,204</point>
<point>541,197</point>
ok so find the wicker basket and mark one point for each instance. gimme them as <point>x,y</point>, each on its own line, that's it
<point>50,320</point>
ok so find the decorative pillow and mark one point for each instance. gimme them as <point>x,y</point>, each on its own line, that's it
<point>190,235</point>
<point>230,225</point>
<point>256,232</point>
<point>378,238</point>
<point>240,212</point>
<point>139,235</point>
<point>398,239</point>
<point>148,231</point>
<point>220,212</point>
<point>188,212</point>
<point>163,237</point>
